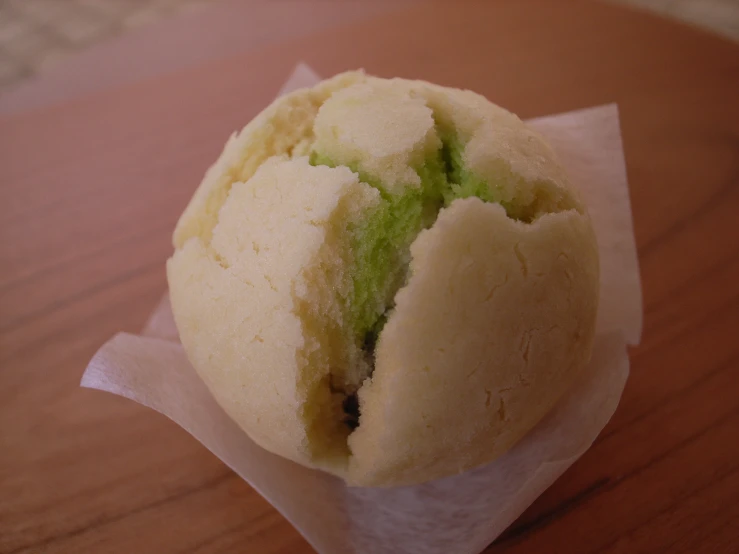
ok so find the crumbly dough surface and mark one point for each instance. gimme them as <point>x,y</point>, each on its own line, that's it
<point>386,279</point>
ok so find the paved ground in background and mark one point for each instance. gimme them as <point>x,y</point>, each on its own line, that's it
<point>36,33</point>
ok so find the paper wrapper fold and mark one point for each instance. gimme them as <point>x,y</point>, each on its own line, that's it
<point>461,514</point>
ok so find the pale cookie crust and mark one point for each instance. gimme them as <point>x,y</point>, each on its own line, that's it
<point>492,328</point>
<point>493,324</point>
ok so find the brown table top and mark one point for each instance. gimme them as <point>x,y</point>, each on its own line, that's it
<point>91,190</point>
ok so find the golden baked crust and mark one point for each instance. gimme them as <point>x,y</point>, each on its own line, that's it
<point>488,298</point>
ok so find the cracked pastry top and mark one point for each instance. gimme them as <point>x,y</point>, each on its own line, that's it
<point>389,280</point>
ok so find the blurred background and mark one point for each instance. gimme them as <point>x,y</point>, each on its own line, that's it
<point>35,35</point>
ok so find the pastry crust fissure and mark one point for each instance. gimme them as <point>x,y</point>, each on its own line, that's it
<point>445,187</point>
<point>332,369</point>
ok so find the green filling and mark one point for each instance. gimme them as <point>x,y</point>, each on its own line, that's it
<point>381,242</point>
<point>461,182</point>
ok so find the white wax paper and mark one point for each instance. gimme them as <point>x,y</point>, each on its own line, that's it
<point>456,515</point>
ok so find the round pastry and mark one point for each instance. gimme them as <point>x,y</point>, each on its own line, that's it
<point>389,280</point>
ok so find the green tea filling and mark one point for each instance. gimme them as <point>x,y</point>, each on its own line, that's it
<point>381,242</point>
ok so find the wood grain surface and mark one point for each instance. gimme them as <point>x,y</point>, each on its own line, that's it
<point>91,190</point>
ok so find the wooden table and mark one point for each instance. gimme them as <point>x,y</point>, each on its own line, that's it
<point>91,190</point>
